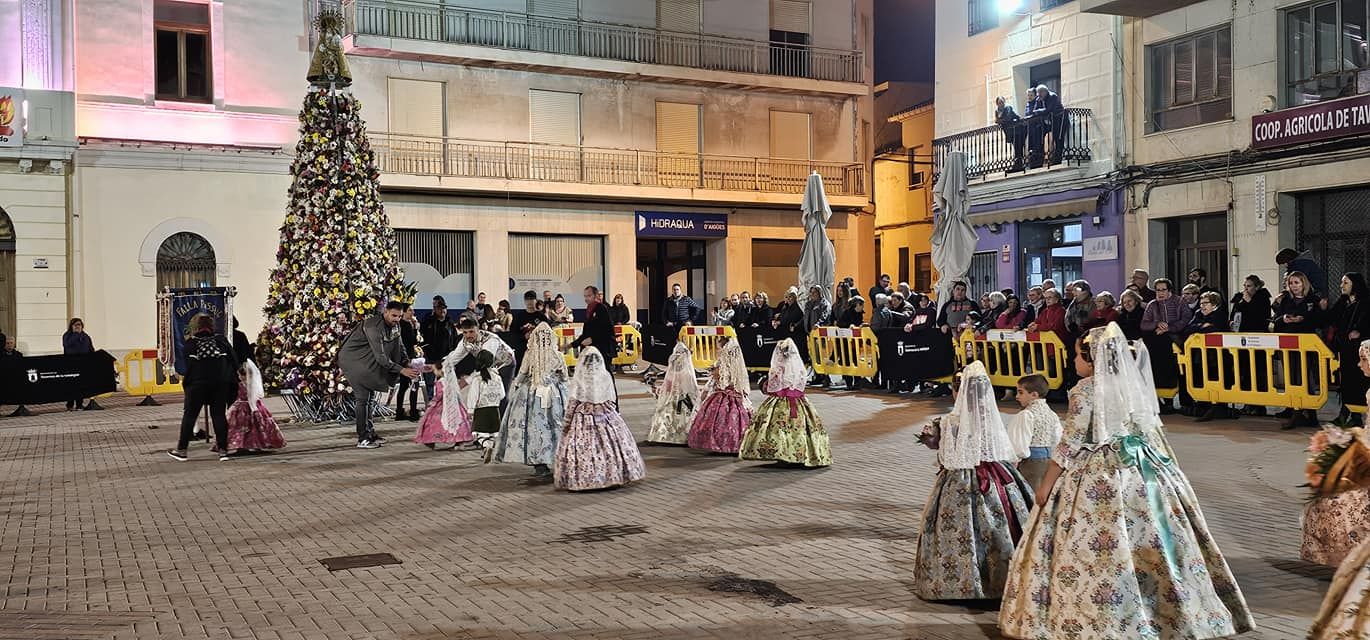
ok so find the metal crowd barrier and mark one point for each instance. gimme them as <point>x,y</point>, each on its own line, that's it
<point>1263,369</point>
<point>629,344</point>
<point>703,342</point>
<point>1010,355</point>
<point>844,352</point>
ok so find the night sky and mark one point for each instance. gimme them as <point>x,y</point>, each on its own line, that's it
<point>904,40</point>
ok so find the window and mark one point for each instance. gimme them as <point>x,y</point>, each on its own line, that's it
<point>1326,52</point>
<point>678,144</point>
<point>1190,80</point>
<point>790,136</point>
<point>983,15</point>
<point>416,107</point>
<point>916,174</point>
<point>554,130</point>
<point>684,16</point>
<point>1051,4</point>
<point>922,272</point>
<point>185,261</point>
<point>8,299</point>
<point>903,264</point>
<point>568,9</point>
<point>183,71</point>
<point>790,28</point>
<point>564,265</point>
<point>1046,73</point>
<point>1198,242</point>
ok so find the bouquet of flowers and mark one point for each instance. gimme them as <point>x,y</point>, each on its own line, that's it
<point>931,437</point>
<point>1338,460</point>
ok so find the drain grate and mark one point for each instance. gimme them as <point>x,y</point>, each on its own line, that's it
<point>602,533</point>
<point>765,590</point>
<point>343,563</point>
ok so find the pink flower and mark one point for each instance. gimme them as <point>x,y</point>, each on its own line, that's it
<point>1317,443</point>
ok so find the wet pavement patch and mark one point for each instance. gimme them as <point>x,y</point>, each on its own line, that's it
<point>343,563</point>
<point>603,533</point>
<point>765,590</point>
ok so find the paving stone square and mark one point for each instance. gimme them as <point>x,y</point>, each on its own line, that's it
<point>103,536</point>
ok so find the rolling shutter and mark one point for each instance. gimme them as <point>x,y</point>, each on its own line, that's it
<point>569,9</point>
<point>677,127</point>
<point>554,117</point>
<point>678,15</point>
<point>790,135</point>
<point>417,107</point>
<point>790,15</point>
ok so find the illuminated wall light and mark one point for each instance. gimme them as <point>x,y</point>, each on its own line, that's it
<point>1010,6</point>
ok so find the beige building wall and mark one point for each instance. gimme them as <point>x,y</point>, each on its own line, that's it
<point>37,205</point>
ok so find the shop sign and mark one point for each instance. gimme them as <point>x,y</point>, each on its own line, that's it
<point>662,224</point>
<point>1311,123</point>
<point>1006,253</point>
<point>11,117</point>
<point>1101,248</point>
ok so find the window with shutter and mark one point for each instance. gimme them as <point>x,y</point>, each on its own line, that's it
<point>554,117</point>
<point>683,16</point>
<point>791,16</point>
<point>569,9</point>
<point>678,141</point>
<point>1190,80</point>
<point>417,107</point>
<point>790,135</point>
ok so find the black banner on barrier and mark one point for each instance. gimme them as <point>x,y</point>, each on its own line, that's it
<point>924,355</point>
<point>758,345</point>
<point>658,341</point>
<point>43,379</point>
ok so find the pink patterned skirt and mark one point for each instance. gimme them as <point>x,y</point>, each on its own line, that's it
<point>250,428</point>
<point>433,431</point>
<point>722,420</point>
<point>596,451</point>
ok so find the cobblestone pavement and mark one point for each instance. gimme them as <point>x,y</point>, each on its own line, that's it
<point>103,536</point>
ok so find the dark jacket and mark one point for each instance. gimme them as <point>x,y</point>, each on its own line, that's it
<point>791,318</point>
<point>11,354</point>
<point>409,336</point>
<point>1346,316</point>
<point>923,318</point>
<point>439,337</point>
<point>851,318</point>
<point>372,356</point>
<point>677,311</point>
<point>816,313</point>
<point>1308,307</point>
<point>73,343</point>
<point>620,314</point>
<point>1310,268</point>
<point>1214,322</point>
<point>954,312</point>
<point>1049,105</point>
<point>762,314</point>
<point>599,328</point>
<point>210,362</point>
<point>242,347</point>
<point>1131,322</point>
<point>1254,316</point>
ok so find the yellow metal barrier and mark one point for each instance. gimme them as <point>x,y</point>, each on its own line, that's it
<point>629,344</point>
<point>142,375</point>
<point>703,342</point>
<point>1010,355</point>
<point>844,352</point>
<point>1271,369</point>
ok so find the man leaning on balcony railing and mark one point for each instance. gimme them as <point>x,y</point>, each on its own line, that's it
<point>1046,115</point>
<point>1014,131</point>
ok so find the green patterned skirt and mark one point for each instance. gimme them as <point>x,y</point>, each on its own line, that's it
<point>786,432</point>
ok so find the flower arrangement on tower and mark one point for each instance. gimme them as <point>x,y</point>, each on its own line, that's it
<point>337,260</point>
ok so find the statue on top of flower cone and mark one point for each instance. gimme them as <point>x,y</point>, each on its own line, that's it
<point>328,66</point>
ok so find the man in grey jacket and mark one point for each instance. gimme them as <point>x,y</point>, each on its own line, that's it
<point>373,359</point>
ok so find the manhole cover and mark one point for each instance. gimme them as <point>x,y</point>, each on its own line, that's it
<point>342,563</point>
<point>765,590</point>
<point>603,533</point>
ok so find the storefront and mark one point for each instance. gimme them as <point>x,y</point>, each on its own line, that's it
<point>672,249</point>
<point>1063,236</point>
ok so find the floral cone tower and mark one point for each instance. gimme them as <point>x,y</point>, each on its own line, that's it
<point>337,261</point>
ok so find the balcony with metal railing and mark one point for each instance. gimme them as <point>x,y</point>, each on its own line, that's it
<point>515,166</point>
<point>369,23</point>
<point>998,151</point>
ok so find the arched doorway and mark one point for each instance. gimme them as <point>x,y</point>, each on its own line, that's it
<point>184,261</point>
<point>8,302</point>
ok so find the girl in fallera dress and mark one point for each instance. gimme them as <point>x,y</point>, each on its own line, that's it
<point>979,503</point>
<point>1345,609</point>
<point>726,411</point>
<point>785,428</point>
<point>250,425</point>
<point>676,400</point>
<point>482,394</point>
<point>537,405</point>
<point>596,451</point>
<point>445,421</point>
<point>1117,548</point>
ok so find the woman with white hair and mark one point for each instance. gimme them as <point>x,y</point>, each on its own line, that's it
<point>785,429</point>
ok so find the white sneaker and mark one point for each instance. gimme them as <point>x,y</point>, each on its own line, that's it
<point>367,444</point>
<point>223,457</point>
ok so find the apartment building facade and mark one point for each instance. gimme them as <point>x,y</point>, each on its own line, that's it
<point>529,144</point>
<point>1041,198</point>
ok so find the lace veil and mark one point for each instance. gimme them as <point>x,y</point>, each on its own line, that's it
<point>680,374</point>
<point>255,392</point>
<point>1124,397</point>
<point>974,432</point>
<point>787,369</point>
<point>732,368</point>
<point>591,382</point>
<point>543,357</point>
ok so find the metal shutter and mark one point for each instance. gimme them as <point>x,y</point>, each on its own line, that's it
<point>554,117</point>
<point>677,127</point>
<point>555,8</point>
<point>678,15</point>
<point>417,107</point>
<point>565,264</point>
<point>790,135</point>
<point>790,15</point>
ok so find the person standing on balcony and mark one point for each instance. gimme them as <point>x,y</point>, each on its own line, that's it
<point>1047,116</point>
<point>1014,132</point>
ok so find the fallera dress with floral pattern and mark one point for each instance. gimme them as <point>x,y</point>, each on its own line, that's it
<point>1120,550</point>
<point>1345,613</point>
<point>1334,525</point>
<point>971,523</point>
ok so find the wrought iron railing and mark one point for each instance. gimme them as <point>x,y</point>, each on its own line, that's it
<point>1047,141</point>
<point>419,20</point>
<point>430,156</point>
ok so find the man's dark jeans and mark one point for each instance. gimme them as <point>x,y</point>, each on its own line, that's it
<point>364,399</point>
<point>215,397</point>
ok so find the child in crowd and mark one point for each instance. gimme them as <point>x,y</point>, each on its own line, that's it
<point>1035,430</point>
<point>444,421</point>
